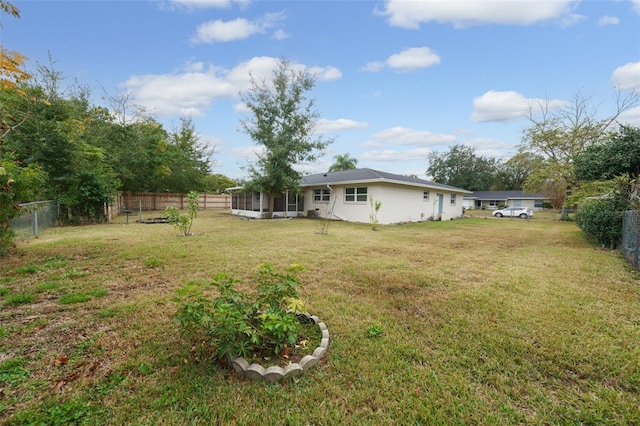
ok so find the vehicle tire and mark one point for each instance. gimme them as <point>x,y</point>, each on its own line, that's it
<point>523,215</point>
<point>498,215</point>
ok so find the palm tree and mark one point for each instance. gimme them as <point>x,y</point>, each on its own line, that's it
<point>343,162</point>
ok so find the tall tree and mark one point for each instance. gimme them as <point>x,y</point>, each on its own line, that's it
<point>617,156</point>
<point>188,159</point>
<point>513,173</point>
<point>19,182</point>
<point>55,139</point>
<point>217,183</point>
<point>282,123</point>
<point>560,134</point>
<point>461,167</point>
<point>343,162</point>
<point>611,167</point>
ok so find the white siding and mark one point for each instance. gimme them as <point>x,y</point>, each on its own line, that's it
<point>400,203</point>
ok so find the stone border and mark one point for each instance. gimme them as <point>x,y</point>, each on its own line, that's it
<point>274,373</point>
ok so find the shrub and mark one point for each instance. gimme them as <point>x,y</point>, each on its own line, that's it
<point>601,220</point>
<point>234,323</point>
<point>183,222</point>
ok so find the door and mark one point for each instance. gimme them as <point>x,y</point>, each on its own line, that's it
<point>440,203</point>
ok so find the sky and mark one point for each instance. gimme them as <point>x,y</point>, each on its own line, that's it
<point>395,79</point>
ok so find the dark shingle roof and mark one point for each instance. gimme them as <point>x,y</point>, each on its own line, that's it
<point>366,175</point>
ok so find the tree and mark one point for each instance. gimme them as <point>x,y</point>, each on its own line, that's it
<point>19,182</point>
<point>559,135</point>
<point>343,162</point>
<point>282,123</point>
<point>461,167</point>
<point>187,159</point>
<point>617,156</point>
<point>218,183</point>
<point>601,219</point>
<point>513,174</point>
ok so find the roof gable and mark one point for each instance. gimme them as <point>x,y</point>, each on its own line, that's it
<point>366,175</point>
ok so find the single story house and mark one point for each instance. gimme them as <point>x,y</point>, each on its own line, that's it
<point>348,195</point>
<point>492,199</point>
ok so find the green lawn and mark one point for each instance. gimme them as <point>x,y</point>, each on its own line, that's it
<point>478,321</point>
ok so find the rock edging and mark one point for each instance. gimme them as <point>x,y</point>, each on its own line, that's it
<point>274,373</point>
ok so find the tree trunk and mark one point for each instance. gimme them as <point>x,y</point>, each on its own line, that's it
<point>272,201</point>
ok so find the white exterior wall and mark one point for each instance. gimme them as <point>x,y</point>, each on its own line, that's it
<point>530,204</point>
<point>400,203</point>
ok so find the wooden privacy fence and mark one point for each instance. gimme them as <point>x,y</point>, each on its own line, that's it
<point>137,201</point>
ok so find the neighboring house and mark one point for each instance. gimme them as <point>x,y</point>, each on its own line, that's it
<point>492,199</point>
<point>347,195</point>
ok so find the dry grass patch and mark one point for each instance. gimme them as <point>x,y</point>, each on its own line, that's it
<point>482,321</point>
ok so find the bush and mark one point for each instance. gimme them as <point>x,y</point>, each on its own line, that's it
<point>601,220</point>
<point>183,222</point>
<point>239,324</point>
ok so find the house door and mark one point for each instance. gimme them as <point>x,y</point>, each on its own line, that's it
<point>440,203</point>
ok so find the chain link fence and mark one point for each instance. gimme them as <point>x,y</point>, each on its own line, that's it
<point>631,237</point>
<point>34,218</point>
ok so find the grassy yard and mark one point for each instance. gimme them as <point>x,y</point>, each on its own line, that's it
<point>484,321</point>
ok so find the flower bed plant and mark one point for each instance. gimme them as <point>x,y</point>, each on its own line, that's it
<point>267,326</point>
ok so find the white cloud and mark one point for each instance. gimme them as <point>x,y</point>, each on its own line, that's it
<point>636,5</point>
<point>608,20</point>
<point>326,73</point>
<point>490,147</point>
<point>238,29</point>
<point>193,5</point>
<point>191,90</point>
<point>397,156</point>
<point>412,58</point>
<point>462,14</point>
<point>571,19</point>
<point>279,35</point>
<point>407,60</point>
<point>507,106</point>
<point>630,117</point>
<point>627,77</point>
<point>373,66</point>
<point>403,136</point>
<point>341,124</point>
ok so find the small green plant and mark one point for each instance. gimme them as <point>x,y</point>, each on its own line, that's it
<point>374,330</point>
<point>375,208</point>
<point>71,298</point>
<point>12,371</point>
<point>82,296</point>
<point>183,222</point>
<point>263,323</point>
<point>152,263</point>
<point>19,299</point>
<point>28,269</point>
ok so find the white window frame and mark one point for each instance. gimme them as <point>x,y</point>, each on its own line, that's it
<point>425,196</point>
<point>355,194</point>
<point>452,200</point>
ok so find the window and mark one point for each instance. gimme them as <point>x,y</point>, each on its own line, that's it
<point>321,195</point>
<point>453,199</point>
<point>425,196</point>
<point>537,204</point>
<point>352,195</point>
